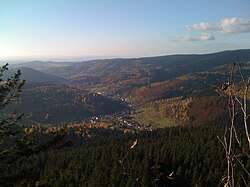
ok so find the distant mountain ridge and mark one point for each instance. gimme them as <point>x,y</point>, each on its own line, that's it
<point>40,65</point>
<point>120,75</point>
<point>199,61</point>
<point>32,75</point>
<point>174,65</point>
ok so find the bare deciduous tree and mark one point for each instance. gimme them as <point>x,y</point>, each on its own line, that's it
<point>234,140</point>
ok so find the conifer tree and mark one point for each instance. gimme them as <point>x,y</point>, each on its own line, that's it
<point>10,89</point>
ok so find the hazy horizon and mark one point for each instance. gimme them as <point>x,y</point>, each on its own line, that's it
<point>16,60</point>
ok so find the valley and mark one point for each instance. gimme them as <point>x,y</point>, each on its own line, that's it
<point>155,91</point>
<point>155,119</point>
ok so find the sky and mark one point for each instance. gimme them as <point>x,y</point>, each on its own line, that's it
<point>71,29</point>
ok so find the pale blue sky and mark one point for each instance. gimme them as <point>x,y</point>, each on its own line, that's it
<point>121,28</point>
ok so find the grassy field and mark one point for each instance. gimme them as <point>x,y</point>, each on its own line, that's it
<point>150,115</point>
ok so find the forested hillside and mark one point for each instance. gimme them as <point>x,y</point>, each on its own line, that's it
<point>32,75</point>
<point>107,116</point>
<point>129,73</point>
<point>172,157</point>
<point>56,104</point>
<point>161,91</point>
<point>124,93</point>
